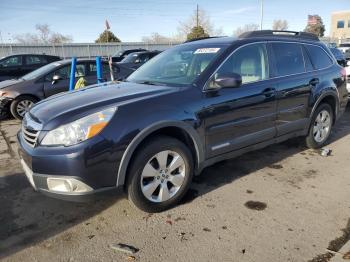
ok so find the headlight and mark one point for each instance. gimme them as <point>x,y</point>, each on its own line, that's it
<point>79,130</point>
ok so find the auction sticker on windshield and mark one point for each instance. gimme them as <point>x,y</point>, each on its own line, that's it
<point>207,50</point>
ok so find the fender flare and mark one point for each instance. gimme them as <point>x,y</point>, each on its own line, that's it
<point>139,138</point>
<point>322,96</point>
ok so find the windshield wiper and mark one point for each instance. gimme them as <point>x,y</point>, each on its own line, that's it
<point>147,82</point>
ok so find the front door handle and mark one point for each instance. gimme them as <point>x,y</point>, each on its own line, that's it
<point>314,82</point>
<point>269,92</point>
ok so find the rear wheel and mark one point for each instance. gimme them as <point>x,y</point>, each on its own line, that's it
<point>21,105</point>
<point>160,174</point>
<point>321,126</point>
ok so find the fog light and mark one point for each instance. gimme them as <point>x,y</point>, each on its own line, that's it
<point>68,185</point>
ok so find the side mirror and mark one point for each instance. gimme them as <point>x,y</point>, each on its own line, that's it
<point>228,80</point>
<point>348,63</point>
<point>55,79</point>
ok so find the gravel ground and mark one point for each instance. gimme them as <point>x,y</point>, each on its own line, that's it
<point>282,203</point>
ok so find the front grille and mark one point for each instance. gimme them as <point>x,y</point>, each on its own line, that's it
<point>30,136</point>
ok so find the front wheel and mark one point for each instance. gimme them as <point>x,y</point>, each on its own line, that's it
<point>160,174</point>
<point>21,105</point>
<point>321,126</point>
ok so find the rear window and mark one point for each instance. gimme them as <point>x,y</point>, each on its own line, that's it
<point>288,58</point>
<point>319,58</point>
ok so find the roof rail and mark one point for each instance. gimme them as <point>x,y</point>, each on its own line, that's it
<point>202,38</point>
<point>262,33</point>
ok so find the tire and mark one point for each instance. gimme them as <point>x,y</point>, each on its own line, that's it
<point>4,114</point>
<point>313,140</point>
<point>148,174</point>
<point>21,105</point>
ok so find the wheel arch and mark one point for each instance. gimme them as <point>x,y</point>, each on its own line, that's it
<point>177,129</point>
<point>330,98</point>
<point>27,95</point>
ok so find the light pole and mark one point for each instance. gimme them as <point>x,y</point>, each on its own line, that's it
<point>261,13</point>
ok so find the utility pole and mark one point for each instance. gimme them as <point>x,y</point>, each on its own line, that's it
<point>261,14</point>
<point>197,16</point>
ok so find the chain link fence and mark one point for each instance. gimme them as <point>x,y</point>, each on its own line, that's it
<point>79,50</point>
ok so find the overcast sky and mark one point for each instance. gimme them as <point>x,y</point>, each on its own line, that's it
<point>130,20</point>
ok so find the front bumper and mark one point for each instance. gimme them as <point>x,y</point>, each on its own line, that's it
<point>83,163</point>
<point>4,103</point>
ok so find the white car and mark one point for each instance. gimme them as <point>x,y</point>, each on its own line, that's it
<point>343,47</point>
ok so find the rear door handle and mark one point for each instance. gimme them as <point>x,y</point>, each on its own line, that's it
<point>314,82</point>
<point>269,92</point>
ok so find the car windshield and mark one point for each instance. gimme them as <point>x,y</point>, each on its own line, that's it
<point>119,53</point>
<point>130,58</point>
<point>41,71</point>
<point>179,66</point>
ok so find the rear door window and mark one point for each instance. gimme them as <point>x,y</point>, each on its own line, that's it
<point>308,64</point>
<point>93,69</point>
<point>33,60</point>
<point>288,58</point>
<point>319,58</point>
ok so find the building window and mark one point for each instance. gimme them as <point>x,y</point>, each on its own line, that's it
<point>348,23</point>
<point>340,24</point>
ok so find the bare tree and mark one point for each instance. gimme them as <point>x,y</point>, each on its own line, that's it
<point>43,36</point>
<point>156,38</point>
<point>280,24</point>
<point>43,32</point>
<point>245,28</point>
<point>198,18</point>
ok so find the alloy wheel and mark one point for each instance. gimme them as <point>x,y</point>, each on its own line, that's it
<point>163,176</point>
<point>24,106</point>
<point>322,126</point>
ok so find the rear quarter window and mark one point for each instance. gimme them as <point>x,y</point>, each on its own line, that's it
<point>288,58</point>
<point>319,58</point>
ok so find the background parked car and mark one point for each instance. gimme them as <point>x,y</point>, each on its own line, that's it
<point>15,66</point>
<point>18,95</point>
<point>133,61</point>
<point>348,77</point>
<point>122,54</point>
<point>347,54</point>
<point>343,47</point>
<point>339,56</point>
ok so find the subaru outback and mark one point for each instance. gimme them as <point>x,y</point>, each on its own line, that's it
<point>191,106</point>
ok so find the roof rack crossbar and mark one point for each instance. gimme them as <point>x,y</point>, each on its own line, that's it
<point>202,38</point>
<point>262,33</point>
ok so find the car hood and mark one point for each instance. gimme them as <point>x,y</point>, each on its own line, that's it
<point>67,107</point>
<point>8,83</point>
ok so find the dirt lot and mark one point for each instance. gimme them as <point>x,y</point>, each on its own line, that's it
<point>282,203</point>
